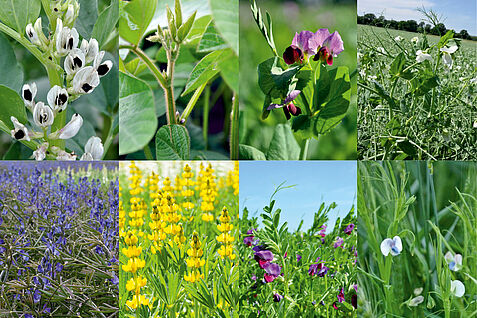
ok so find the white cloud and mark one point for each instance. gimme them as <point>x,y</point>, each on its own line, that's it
<point>395,9</point>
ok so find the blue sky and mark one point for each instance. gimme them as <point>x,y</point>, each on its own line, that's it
<point>316,182</point>
<point>458,14</point>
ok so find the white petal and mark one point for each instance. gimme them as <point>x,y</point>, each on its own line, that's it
<point>398,243</point>
<point>57,98</point>
<point>448,257</point>
<point>71,129</point>
<point>43,115</point>
<point>418,291</point>
<point>447,58</point>
<point>386,246</point>
<point>458,262</point>
<point>449,50</point>
<point>416,301</point>
<point>457,288</point>
<point>94,146</point>
<point>86,157</point>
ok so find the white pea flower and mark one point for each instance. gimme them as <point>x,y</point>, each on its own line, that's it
<point>416,301</point>
<point>29,94</point>
<point>381,50</point>
<point>43,115</point>
<point>393,246</point>
<point>90,49</point>
<point>20,132</point>
<point>93,150</point>
<point>473,81</point>
<point>454,261</point>
<point>446,55</point>
<point>102,68</point>
<point>85,81</point>
<point>418,291</point>
<point>415,40</point>
<point>32,35</point>
<point>421,56</point>
<point>457,288</point>
<point>40,153</point>
<point>66,41</point>
<point>71,128</point>
<point>74,62</point>
<point>398,38</point>
<point>57,98</point>
<point>475,124</point>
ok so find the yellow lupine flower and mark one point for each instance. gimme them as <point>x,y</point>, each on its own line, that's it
<point>137,284</point>
<point>207,217</point>
<point>135,302</point>
<point>132,251</point>
<point>133,265</point>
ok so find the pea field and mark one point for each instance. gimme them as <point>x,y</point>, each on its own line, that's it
<point>416,96</point>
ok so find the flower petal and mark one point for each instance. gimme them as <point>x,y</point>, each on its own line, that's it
<point>457,288</point>
<point>386,246</point>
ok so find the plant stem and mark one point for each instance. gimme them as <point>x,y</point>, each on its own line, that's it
<point>190,106</point>
<point>169,89</point>
<point>60,119</point>
<point>205,116</point>
<point>234,129</point>
<point>304,149</point>
<point>148,153</point>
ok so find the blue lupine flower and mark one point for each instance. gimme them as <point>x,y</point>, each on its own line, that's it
<point>36,296</point>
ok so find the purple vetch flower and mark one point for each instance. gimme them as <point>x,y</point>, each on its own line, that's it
<point>298,258</point>
<point>341,296</point>
<point>263,257</point>
<point>313,302</point>
<point>322,231</point>
<point>355,286</point>
<point>254,278</point>
<point>277,297</point>
<point>349,229</point>
<point>248,240</point>
<point>339,242</point>
<point>292,55</point>
<point>330,48</point>
<point>288,107</point>
<point>272,271</point>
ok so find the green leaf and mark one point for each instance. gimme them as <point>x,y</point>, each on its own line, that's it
<point>303,125</point>
<point>398,65</point>
<point>9,65</point>
<point>283,145</point>
<point>273,79</point>
<point>247,152</point>
<point>203,71</point>
<point>184,30</point>
<point>424,83</point>
<point>172,143</point>
<point>334,107</point>
<point>18,13</point>
<point>87,17</point>
<point>229,68</point>
<point>134,19</point>
<point>384,94</point>
<point>106,23</point>
<point>407,147</point>
<point>226,17</point>
<point>445,38</point>
<point>137,117</point>
<point>11,104</point>
<point>211,40</point>
<point>322,88</point>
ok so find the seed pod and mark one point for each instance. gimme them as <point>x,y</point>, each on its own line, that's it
<point>185,28</point>
<point>171,22</point>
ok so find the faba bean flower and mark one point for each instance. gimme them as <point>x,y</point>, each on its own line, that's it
<point>457,288</point>
<point>393,246</point>
<point>454,261</point>
<point>82,69</point>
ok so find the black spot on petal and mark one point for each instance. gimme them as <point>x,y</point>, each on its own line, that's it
<point>77,62</point>
<point>70,43</point>
<point>19,135</point>
<point>27,95</point>
<point>63,98</point>
<point>86,87</point>
<point>103,69</point>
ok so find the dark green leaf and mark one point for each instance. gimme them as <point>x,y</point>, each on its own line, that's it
<point>134,19</point>
<point>203,71</point>
<point>226,17</point>
<point>18,13</point>
<point>106,23</point>
<point>283,145</point>
<point>172,143</point>
<point>250,153</point>
<point>10,66</point>
<point>87,17</point>
<point>11,104</point>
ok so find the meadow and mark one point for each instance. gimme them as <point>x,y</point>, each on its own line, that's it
<point>302,273</point>
<point>58,240</point>
<point>417,239</point>
<point>416,96</point>
<point>178,230</point>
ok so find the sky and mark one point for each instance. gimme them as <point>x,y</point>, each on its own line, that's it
<point>316,182</point>
<point>458,14</point>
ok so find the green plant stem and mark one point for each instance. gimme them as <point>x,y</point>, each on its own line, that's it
<point>169,89</point>
<point>108,135</point>
<point>60,119</point>
<point>148,153</point>
<point>234,129</point>
<point>192,102</point>
<point>304,149</point>
<point>205,116</point>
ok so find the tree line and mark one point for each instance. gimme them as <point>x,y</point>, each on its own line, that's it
<point>411,26</point>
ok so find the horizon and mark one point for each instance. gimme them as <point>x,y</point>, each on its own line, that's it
<point>457,17</point>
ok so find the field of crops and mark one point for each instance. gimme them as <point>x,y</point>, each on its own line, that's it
<point>418,243</point>
<point>178,229</point>
<point>298,273</point>
<point>58,240</point>
<point>416,97</point>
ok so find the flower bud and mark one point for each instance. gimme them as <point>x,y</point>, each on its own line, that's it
<point>90,49</point>
<point>66,40</point>
<point>32,35</point>
<point>28,94</point>
<point>93,150</point>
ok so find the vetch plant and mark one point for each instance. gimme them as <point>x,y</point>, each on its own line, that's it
<point>179,83</point>
<point>74,64</point>
<point>313,96</point>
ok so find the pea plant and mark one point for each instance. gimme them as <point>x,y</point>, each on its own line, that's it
<point>64,63</point>
<point>313,95</point>
<point>178,79</point>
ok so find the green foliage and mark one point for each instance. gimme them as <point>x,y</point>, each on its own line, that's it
<point>17,14</point>
<point>12,105</point>
<point>172,143</point>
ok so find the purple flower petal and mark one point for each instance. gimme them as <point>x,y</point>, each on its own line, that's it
<point>293,94</point>
<point>334,43</point>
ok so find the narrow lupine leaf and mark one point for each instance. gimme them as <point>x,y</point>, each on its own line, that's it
<point>172,143</point>
<point>18,13</point>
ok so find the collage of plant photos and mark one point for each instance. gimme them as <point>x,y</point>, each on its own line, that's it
<point>238,158</point>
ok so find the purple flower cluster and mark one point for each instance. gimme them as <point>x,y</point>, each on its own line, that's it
<point>55,221</point>
<point>318,269</point>
<point>264,259</point>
